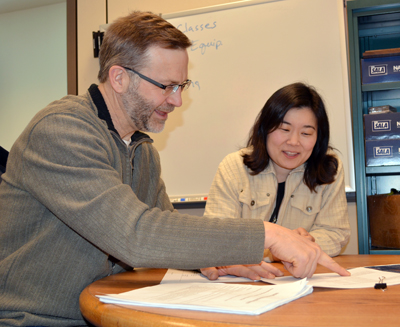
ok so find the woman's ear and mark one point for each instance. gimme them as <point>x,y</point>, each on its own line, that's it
<point>119,79</point>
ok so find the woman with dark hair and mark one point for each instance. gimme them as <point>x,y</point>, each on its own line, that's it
<point>288,174</point>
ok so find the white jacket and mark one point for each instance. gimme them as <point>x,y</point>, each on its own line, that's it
<point>236,193</point>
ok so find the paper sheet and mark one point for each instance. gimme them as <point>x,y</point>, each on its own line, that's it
<point>363,277</point>
<point>190,276</point>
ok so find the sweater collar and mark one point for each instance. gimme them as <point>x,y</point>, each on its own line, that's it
<point>270,169</point>
<point>104,114</point>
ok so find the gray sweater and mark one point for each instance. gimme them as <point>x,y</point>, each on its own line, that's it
<point>77,204</point>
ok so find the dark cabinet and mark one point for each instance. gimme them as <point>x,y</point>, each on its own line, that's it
<point>372,25</point>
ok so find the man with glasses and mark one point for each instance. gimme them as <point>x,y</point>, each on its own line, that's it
<point>82,196</point>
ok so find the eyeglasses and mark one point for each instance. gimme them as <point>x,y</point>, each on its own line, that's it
<point>167,89</point>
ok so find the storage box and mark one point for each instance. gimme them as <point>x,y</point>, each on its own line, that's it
<point>382,152</point>
<point>384,220</point>
<point>382,126</point>
<point>380,70</point>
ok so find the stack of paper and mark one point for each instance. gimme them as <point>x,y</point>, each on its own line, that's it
<point>213,297</point>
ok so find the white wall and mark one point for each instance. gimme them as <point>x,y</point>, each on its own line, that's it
<point>33,65</point>
<point>91,14</point>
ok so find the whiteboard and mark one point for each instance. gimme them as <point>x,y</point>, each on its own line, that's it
<point>242,53</point>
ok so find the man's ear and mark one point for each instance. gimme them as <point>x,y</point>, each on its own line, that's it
<point>119,79</point>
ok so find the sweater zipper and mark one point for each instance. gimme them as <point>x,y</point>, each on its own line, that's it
<point>132,148</point>
<point>131,151</point>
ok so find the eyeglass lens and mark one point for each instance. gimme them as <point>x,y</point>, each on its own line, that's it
<point>170,89</point>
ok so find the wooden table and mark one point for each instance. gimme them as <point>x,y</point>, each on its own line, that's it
<point>324,307</point>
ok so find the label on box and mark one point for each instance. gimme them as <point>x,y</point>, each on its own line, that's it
<point>382,152</point>
<point>380,70</point>
<point>382,126</point>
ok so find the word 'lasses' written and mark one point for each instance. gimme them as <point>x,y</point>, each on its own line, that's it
<point>186,28</point>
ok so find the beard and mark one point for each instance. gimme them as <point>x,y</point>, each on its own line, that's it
<point>141,111</point>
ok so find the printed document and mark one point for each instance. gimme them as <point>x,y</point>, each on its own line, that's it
<point>363,277</point>
<point>213,297</point>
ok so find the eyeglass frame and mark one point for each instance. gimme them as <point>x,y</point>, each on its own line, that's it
<point>175,87</point>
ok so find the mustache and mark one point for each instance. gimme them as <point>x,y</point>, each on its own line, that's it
<point>167,108</point>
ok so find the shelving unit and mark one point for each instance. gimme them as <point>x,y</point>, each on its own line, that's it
<point>372,25</point>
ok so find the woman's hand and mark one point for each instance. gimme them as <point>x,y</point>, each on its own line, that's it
<point>253,272</point>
